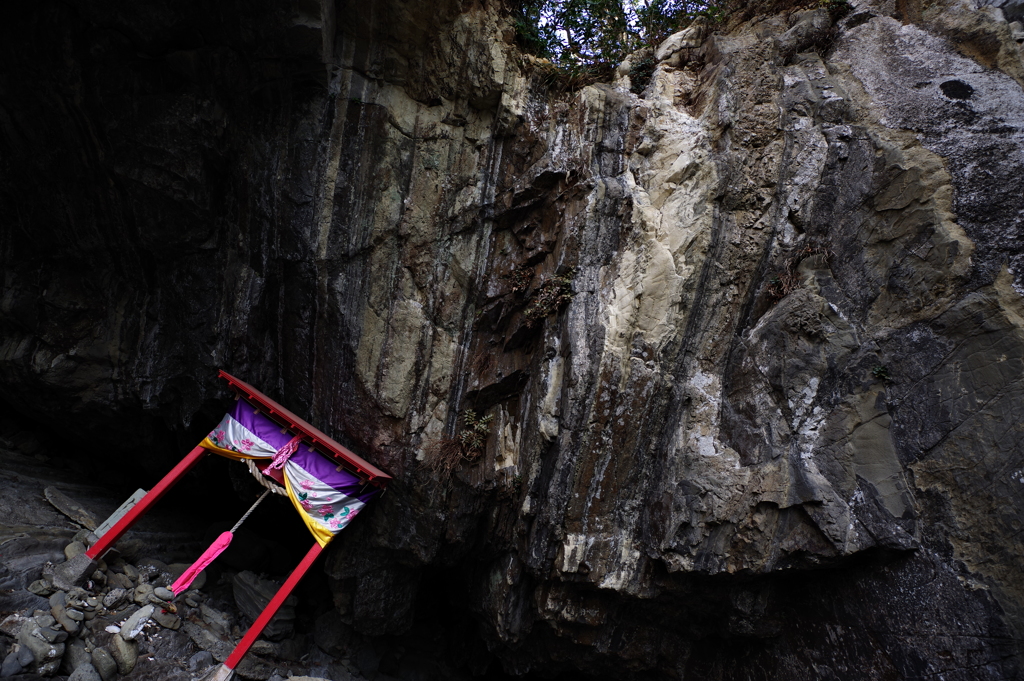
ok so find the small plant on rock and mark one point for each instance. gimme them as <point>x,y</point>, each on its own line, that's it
<point>511,486</point>
<point>583,40</point>
<point>881,372</point>
<point>520,278</point>
<point>786,280</point>
<point>589,32</point>
<point>641,72</point>
<point>837,8</point>
<point>444,455</point>
<point>551,296</point>
<point>780,285</point>
<point>474,434</point>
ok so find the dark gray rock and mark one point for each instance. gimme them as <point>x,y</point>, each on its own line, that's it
<point>252,594</point>
<point>293,648</point>
<point>200,662</point>
<point>1013,10</point>
<point>164,657</point>
<point>332,634</point>
<point>154,572</point>
<point>220,622</point>
<point>206,639</point>
<point>166,619</point>
<point>151,565</point>
<point>104,663</point>
<point>51,635</point>
<point>11,665</point>
<point>114,598</point>
<point>85,672</point>
<point>73,572</point>
<point>253,667</point>
<point>41,587</point>
<point>125,654</point>
<point>142,593</point>
<point>75,655</point>
<point>59,610</point>
<point>123,581</point>
<point>44,619</point>
<point>25,656</point>
<point>45,646</point>
<point>263,648</point>
<point>367,660</point>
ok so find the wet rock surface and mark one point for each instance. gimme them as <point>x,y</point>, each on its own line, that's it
<point>749,343</point>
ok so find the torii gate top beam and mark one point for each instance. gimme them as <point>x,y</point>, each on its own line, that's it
<point>313,436</point>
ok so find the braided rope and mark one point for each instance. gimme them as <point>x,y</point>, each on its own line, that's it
<point>264,480</point>
<point>249,512</point>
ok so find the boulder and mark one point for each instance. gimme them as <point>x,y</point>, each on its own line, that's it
<point>85,672</point>
<point>73,572</point>
<point>104,663</point>
<point>332,634</point>
<point>115,598</point>
<point>45,646</point>
<point>59,611</point>
<point>125,653</point>
<point>134,625</point>
<point>252,594</point>
<point>75,655</point>
<point>218,621</point>
<point>165,619</point>
<point>200,662</point>
<point>13,664</point>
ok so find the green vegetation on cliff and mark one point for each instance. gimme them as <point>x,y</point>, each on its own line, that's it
<point>574,33</point>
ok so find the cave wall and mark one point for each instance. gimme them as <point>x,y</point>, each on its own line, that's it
<point>773,434</point>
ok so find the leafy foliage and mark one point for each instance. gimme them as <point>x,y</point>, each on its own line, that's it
<point>474,433</point>
<point>594,32</point>
<point>520,278</point>
<point>837,8</point>
<point>444,455</point>
<point>641,72</point>
<point>781,284</point>
<point>550,297</point>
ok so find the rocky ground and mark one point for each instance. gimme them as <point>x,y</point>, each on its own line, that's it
<point>124,623</point>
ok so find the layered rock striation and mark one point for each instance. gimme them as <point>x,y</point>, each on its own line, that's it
<point>749,342</point>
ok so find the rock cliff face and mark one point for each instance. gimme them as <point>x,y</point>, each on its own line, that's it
<point>774,433</point>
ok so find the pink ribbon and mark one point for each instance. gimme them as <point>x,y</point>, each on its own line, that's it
<point>282,454</point>
<point>187,577</point>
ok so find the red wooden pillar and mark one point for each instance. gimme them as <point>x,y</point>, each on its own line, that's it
<point>139,510</point>
<point>272,607</point>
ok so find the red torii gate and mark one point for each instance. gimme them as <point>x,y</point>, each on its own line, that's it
<point>74,570</point>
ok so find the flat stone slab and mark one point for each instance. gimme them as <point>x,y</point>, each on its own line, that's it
<point>73,572</point>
